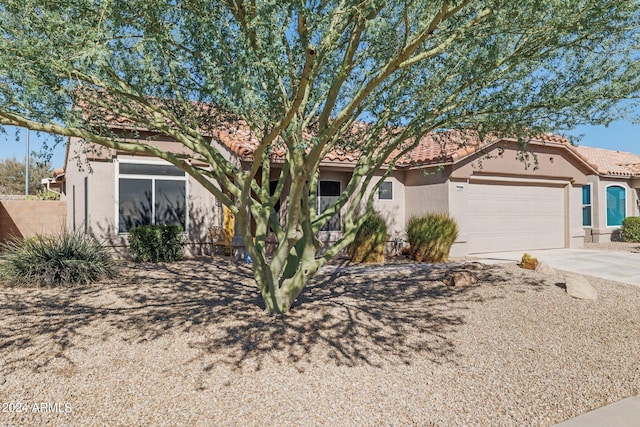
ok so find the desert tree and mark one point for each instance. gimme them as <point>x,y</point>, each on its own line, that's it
<point>13,173</point>
<point>307,78</point>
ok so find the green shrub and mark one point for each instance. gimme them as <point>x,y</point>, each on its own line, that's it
<point>156,243</point>
<point>67,259</point>
<point>370,240</point>
<point>630,229</point>
<point>431,237</point>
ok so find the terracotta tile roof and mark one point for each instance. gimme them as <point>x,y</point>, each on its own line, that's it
<point>57,173</point>
<point>431,148</point>
<point>452,145</point>
<point>443,146</point>
<point>610,162</point>
<point>241,140</point>
<point>435,147</point>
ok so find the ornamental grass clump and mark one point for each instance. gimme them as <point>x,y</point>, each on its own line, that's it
<point>156,243</point>
<point>431,237</point>
<point>370,240</point>
<point>69,258</point>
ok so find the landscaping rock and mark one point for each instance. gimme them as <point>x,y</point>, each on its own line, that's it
<point>528,262</point>
<point>460,279</point>
<point>474,266</point>
<point>579,287</point>
<point>544,268</point>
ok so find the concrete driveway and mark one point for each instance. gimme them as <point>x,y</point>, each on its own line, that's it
<point>612,265</point>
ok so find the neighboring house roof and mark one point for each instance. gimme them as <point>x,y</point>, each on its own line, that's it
<point>57,173</point>
<point>610,162</point>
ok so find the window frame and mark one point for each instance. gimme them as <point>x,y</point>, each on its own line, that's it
<point>589,205</point>
<point>153,179</point>
<point>339,214</point>
<point>380,188</point>
<point>624,215</point>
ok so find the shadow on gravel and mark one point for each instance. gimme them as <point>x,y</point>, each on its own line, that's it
<point>349,317</point>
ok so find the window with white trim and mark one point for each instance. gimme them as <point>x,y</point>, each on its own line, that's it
<point>328,194</point>
<point>586,205</point>
<point>385,191</point>
<point>150,193</point>
<point>616,205</point>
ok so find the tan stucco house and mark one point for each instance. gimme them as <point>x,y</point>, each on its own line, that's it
<point>502,198</point>
<point>610,195</point>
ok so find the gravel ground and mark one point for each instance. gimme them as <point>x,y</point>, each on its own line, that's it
<point>187,344</point>
<point>614,246</point>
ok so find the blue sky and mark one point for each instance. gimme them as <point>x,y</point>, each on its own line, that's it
<point>621,135</point>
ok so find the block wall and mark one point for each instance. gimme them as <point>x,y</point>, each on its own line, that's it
<point>26,218</point>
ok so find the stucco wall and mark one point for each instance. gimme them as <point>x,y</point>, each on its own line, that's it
<point>599,231</point>
<point>393,211</point>
<point>547,162</point>
<point>97,212</point>
<point>457,192</point>
<point>576,236</point>
<point>84,182</point>
<point>426,192</point>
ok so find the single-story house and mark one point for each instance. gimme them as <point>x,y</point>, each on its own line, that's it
<point>611,195</point>
<point>501,197</point>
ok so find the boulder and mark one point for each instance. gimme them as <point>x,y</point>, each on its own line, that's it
<point>579,287</point>
<point>546,269</point>
<point>460,278</point>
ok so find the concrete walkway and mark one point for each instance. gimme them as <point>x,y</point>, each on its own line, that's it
<point>618,266</point>
<point>625,413</point>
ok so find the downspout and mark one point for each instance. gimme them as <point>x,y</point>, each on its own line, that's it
<point>47,181</point>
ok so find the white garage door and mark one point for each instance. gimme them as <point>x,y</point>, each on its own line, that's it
<point>513,217</point>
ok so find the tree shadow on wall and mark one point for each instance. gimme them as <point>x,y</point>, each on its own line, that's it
<point>345,317</point>
<point>167,209</point>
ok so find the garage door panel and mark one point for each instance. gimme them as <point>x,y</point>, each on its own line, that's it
<point>512,217</point>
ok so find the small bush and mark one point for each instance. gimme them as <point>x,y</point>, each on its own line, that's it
<point>431,237</point>
<point>156,243</point>
<point>630,229</point>
<point>67,259</point>
<point>528,262</point>
<point>370,240</point>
